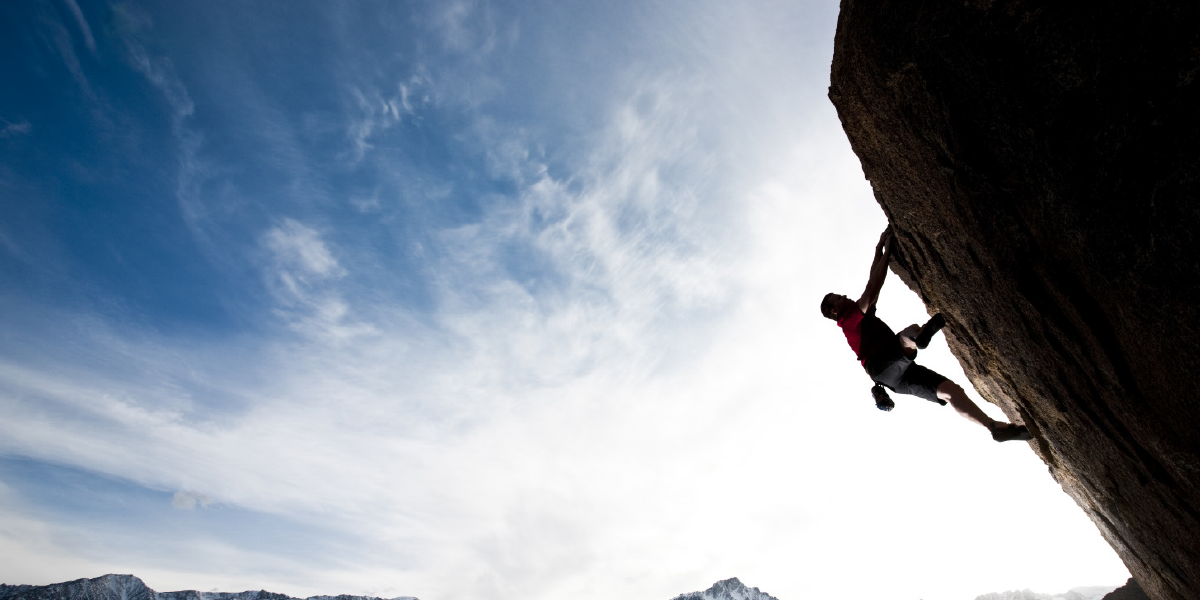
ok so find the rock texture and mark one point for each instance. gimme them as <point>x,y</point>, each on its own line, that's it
<point>1130,591</point>
<point>1039,163</point>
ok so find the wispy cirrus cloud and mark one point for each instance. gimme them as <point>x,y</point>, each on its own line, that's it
<point>66,50</point>
<point>84,28</point>
<point>464,26</point>
<point>192,171</point>
<point>302,273</point>
<point>11,129</point>
<point>301,251</point>
<point>159,71</point>
<point>378,113</point>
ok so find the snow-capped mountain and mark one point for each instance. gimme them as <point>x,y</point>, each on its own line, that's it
<point>128,587</point>
<point>1079,593</point>
<point>729,589</point>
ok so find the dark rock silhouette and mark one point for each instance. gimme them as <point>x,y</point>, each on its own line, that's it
<point>1039,164</point>
<point>1130,591</point>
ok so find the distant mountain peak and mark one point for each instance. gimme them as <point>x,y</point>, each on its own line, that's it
<point>128,587</point>
<point>1079,593</point>
<point>728,589</point>
<point>105,587</point>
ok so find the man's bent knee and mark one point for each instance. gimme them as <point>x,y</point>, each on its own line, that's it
<point>948,388</point>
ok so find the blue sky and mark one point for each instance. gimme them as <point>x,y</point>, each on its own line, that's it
<point>466,299</point>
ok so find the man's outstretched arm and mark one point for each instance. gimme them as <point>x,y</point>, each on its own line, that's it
<point>879,269</point>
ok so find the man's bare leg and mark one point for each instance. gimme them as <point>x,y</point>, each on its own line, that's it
<point>952,393</point>
<point>907,338</point>
<point>1001,430</point>
<point>917,337</point>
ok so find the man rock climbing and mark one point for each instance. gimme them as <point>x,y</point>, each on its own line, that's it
<point>888,357</point>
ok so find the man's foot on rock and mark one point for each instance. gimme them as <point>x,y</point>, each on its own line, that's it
<point>935,324</point>
<point>1007,432</point>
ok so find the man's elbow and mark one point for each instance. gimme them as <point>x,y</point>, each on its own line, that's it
<point>866,302</point>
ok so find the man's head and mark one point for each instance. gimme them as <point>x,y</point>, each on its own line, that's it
<point>832,305</point>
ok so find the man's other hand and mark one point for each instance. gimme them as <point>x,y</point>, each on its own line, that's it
<point>885,239</point>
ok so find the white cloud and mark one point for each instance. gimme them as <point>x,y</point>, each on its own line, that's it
<point>185,500</point>
<point>15,129</point>
<point>66,50</point>
<point>160,71</point>
<point>454,21</point>
<point>301,274</point>
<point>366,203</point>
<point>32,549</point>
<point>378,113</point>
<point>299,249</point>
<point>83,25</point>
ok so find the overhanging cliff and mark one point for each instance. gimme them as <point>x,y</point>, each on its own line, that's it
<point>1039,163</point>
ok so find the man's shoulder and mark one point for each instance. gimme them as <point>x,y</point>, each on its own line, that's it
<point>869,311</point>
<point>851,317</point>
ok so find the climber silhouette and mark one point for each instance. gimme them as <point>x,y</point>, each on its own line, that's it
<point>888,357</point>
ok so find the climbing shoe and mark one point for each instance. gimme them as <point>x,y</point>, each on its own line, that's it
<point>935,324</point>
<point>882,400</point>
<point>1007,432</point>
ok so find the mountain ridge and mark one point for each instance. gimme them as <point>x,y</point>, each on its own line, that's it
<point>129,587</point>
<point>728,589</point>
<point>1093,592</point>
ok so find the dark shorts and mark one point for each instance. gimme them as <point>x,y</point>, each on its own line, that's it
<point>903,376</point>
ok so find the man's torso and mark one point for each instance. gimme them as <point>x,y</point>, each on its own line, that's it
<point>868,335</point>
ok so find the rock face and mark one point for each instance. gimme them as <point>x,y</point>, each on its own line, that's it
<point>1039,163</point>
<point>1130,591</point>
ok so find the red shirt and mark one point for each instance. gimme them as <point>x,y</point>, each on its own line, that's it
<point>866,334</point>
